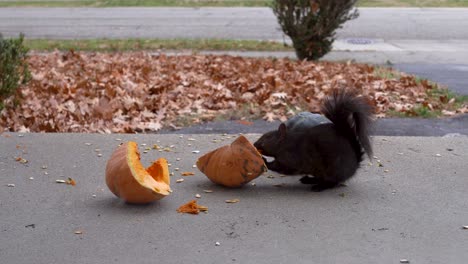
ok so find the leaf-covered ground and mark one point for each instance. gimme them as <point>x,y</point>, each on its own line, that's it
<point>139,91</point>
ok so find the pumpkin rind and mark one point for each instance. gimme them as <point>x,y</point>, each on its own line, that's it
<point>128,179</point>
<point>233,165</point>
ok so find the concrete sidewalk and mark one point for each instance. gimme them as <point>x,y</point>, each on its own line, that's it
<point>412,208</point>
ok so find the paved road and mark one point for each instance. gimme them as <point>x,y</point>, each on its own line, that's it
<point>231,23</point>
<point>382,127</point>
<point>412,208</point>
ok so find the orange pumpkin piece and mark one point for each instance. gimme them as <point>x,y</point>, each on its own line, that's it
<point>192,208</point>
<point>128,179</point>
<point>233,165</point>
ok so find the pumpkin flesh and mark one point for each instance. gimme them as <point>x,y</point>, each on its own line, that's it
<point>128,179</point>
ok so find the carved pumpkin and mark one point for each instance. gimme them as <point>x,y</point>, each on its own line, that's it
<point>233,165</point>
<point>128,179</point>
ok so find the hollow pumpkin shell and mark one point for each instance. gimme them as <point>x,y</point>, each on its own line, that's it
<point>233,165</point>
<point>129,180</point>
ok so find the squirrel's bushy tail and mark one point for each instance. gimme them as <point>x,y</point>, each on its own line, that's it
<point>352,115</point>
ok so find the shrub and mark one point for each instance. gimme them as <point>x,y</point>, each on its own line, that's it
<point>13,65</point>
<point>311,24</point>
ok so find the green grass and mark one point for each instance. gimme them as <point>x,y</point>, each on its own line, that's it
<point>154,44</point>
<point>224,3</point>
<point>413,3</point>
<point>141,3</point>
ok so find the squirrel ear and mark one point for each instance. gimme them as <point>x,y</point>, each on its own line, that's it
<point>282,131</point>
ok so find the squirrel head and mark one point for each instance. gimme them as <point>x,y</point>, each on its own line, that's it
<point>269,143</point>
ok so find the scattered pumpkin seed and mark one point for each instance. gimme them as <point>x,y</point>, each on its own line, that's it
<point>208,191</point>
<point>46,173</point>
<point>78,232</point>
<point>11,185</point>
<point>197,195</point>
<point>195,151</point>
<point>404,261</point>
<point>155,146</point>
<point>99,154</point>
<point>189,144</point>
<point>438,155</point>
<point>118,139</point>
<point>179,180</point>
<point>60,181</point>
<point>31,178</point>
<point>194,166</point>
<point>187,173</point>
<point>191,139</point>
<point>97,150</point>
<point>386,170</point>
<point>44,167</point>
<point>176,169</point>
<point>465,227</point>
<point>178,159</point>
<point>232,201</point>
<point>94,196</point>
<point>217,244</point>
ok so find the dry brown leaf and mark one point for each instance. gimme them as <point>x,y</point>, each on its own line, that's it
<point>138,92</point>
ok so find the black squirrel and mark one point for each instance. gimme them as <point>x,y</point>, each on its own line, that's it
<point>330,152</point>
